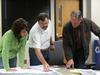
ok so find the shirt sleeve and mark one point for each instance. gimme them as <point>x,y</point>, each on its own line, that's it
<point>21,52</point>
<point>5,50</point>
<point>95,29</point>
<point>36,40</point>
<point>66,44</point>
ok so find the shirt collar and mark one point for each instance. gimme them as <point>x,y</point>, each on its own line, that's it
<point>41,30</point>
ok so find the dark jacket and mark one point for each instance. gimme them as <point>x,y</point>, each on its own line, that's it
<point>87,26</point>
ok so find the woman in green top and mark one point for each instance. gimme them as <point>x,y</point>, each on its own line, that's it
<point>13,43</point>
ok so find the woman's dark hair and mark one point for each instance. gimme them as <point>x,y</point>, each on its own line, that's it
<point>42,16</point>
<point>19,25</point>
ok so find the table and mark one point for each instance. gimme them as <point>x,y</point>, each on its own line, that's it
<point>54,70</point>
<point>38,70</point>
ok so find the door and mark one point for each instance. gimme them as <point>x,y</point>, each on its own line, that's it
<point>63,10</point>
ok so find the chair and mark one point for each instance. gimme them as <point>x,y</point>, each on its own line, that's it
<point>56,56</point>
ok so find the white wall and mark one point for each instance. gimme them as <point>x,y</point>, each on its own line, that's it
<point>95,14</point>
<point>87,9</point>
<point>84,8</point>
<point>0,21</point>
<point>95,11</point>
<point>52,18</point>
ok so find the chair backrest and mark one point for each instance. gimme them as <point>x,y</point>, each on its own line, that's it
<point>96,54</point>
<point>56,56</point>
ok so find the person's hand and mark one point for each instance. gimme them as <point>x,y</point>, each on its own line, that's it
<point>12,69</point>
<point>46,67</point>
<point>70,64</point>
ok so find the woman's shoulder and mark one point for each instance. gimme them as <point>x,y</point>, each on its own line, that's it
<point>8,33</point>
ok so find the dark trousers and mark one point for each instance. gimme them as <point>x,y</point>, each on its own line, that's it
<point>33,58</point>
<point>79,59</point>
<point>12,62</point>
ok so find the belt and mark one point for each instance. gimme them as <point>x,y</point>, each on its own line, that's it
<point>45,49</point>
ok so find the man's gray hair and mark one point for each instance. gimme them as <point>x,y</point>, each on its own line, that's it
<point>76,14</point>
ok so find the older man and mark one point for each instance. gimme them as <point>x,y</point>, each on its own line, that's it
<point>76,39</point>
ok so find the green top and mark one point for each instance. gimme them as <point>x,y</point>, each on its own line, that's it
<point>10,47</point>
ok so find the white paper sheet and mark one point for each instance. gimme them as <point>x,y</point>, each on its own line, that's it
<point>37,70</point>
<point>97,72</point>
<point>86,71</point>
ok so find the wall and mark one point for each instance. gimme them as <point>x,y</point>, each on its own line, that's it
<point>95,11</point>
<point>0,21</point>
<point>52,18</point>
<point>87,9</point>
<point>84,8</point>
